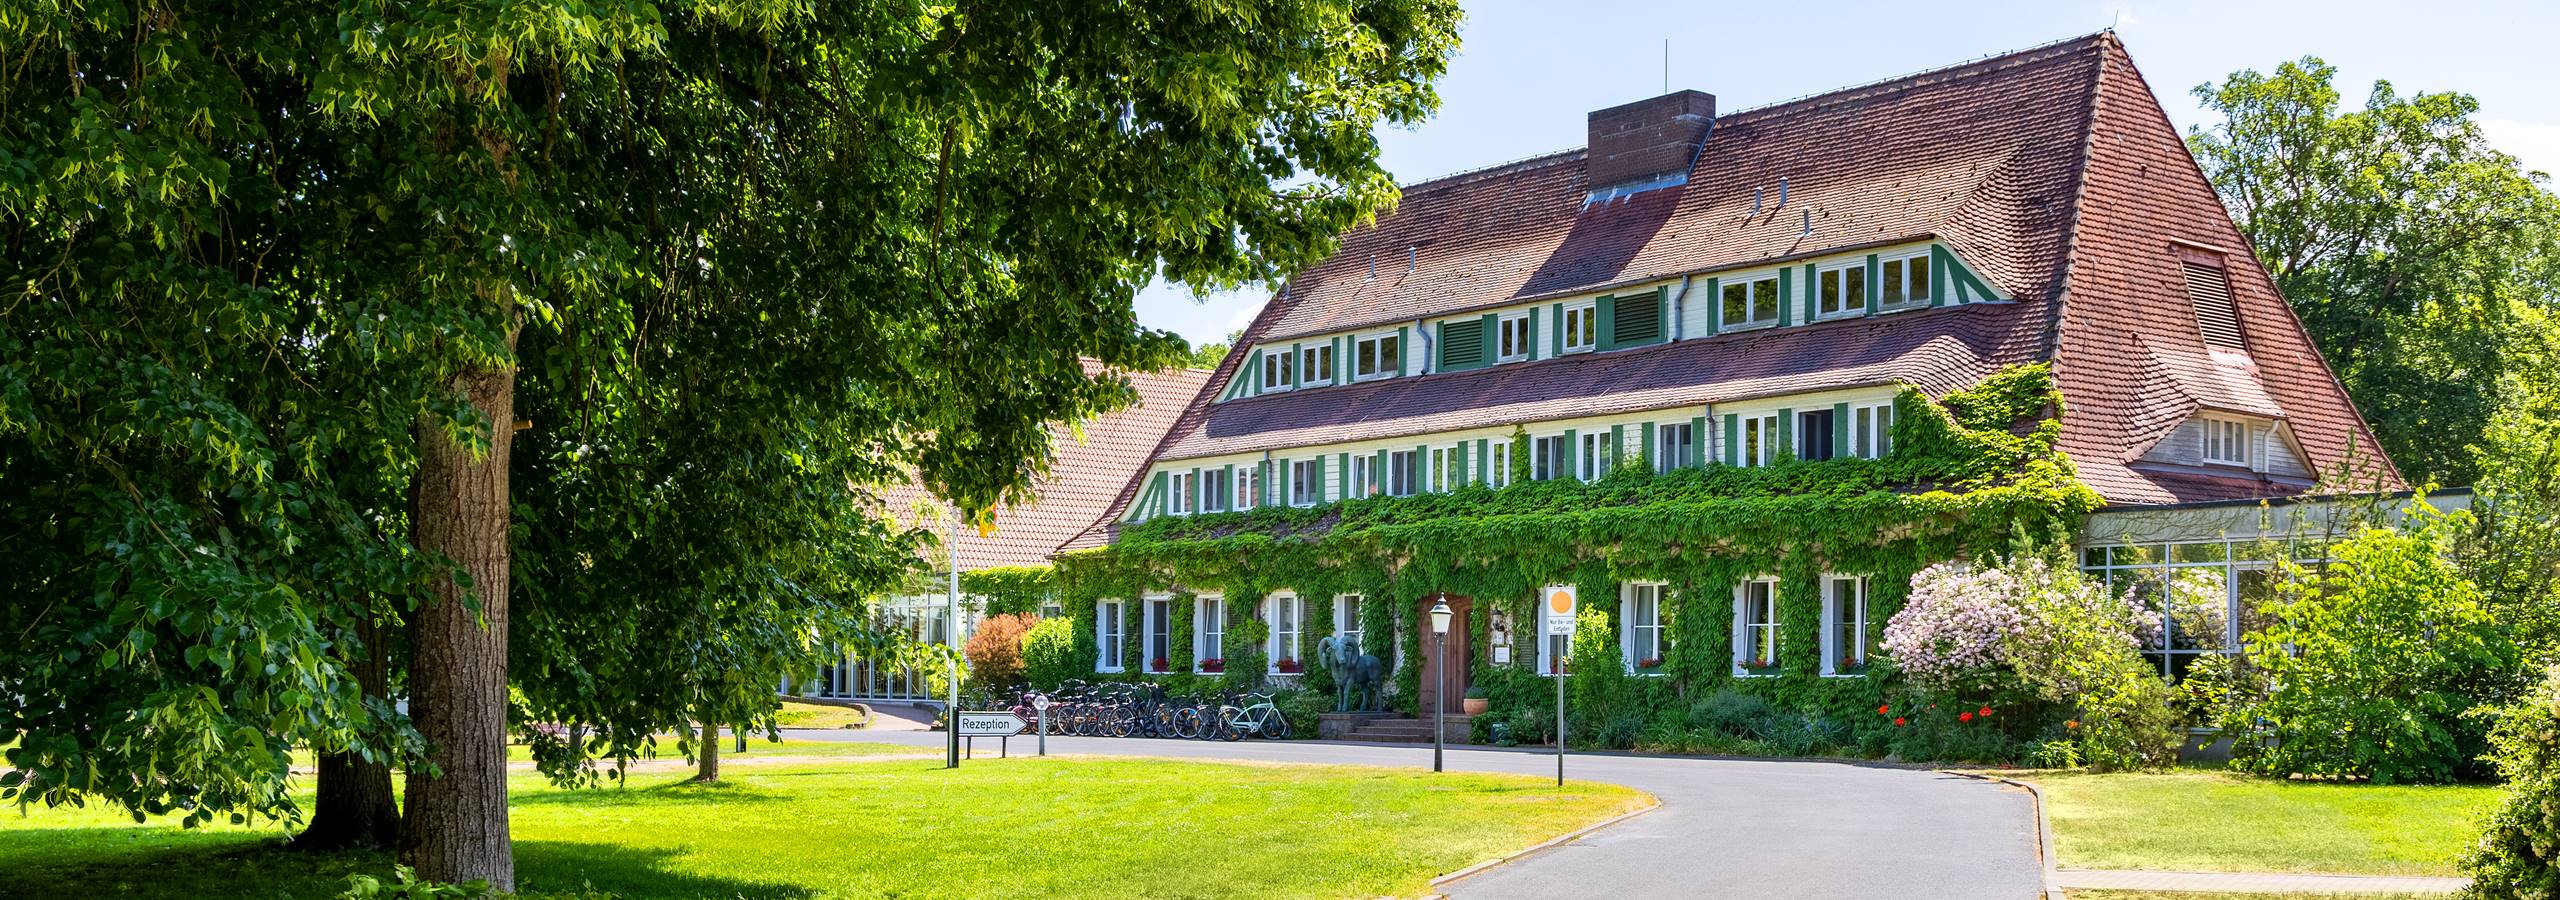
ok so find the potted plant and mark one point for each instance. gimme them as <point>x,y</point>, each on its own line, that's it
<point>1475,702</point>
<point>1159,665</point>
<point>1288,666</point>
<point>1213,665</point>
<point>1643,665</point>
<point>1762,666</point>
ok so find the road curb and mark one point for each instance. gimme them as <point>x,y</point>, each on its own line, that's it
<point>1653,803</point>
<point>2044,830</point>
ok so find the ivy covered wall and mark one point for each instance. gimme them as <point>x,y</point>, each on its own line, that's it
<point>1971,475</point>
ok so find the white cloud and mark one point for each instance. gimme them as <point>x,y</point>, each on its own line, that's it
<point>2536,143</point>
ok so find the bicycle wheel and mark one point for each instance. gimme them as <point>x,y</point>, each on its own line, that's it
<point>1228,730</point>
<point>1186,723</point>
<point>1122,723</point>
<point>1276,726</point>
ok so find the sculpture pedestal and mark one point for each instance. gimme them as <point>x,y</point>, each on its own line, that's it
<point>1334,726</point>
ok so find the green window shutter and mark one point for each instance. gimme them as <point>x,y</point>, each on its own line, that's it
<point>1697,443</point>
<point>1634,320</point>
<point>1715,316</point>
<point>1195,489</point>
<point>1462,344</point>
<point>1649,448</point>
<point>1489,339</point>
<point>1812,287</point>
<point>1315,478</point>
<point>1255,373</point>
<point>1840,429</point>
<point>1164,498</point>
<point>1875,288</point>
<point>1342,479</point>
<point>1617,445</point>
<point>1938,260</point>
<point>1786,433</point>
<point>1787,295</point>
<point>1572,445</point>
<point>1533,333</point>
<point>1377,473</point>
<point>1261,483</point>
<point>1404,351</point>
<point>1457,463</point>
<point>1732,439</point>
<point>1606,308</point>
<point>1556,335</point>
<point>1483,456</point>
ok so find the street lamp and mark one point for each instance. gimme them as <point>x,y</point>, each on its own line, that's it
<point>1440,687</point>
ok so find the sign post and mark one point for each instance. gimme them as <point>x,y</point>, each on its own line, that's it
<point>1558,612</point>
<point>1040,708</point>
<point>995,724</point>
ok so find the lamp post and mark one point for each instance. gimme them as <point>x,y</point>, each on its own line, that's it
<point>1440,665</point>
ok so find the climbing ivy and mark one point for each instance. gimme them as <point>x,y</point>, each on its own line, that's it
<point>1010,589</point>
<point>1972,475</point>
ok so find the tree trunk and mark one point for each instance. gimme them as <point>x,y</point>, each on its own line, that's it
<point>710,770</point>
<point>456,830</point>
<point>354,808</point>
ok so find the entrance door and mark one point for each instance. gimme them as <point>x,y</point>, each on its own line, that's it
<point>1459,645</point>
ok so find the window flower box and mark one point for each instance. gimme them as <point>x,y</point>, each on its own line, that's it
<point>1213,665</point>
<point>1850,666</point>
<point>1646,665</point>
<point>1159,665</point>
<point>1288,667</point>
<point>1760,668</point>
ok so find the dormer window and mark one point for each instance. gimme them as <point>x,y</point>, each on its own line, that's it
<point>1378,356</point>
<point>1840,291</point>
<point>1515,337</point>
<point>2226,441</point>
<point>1750,302</point>
<point>1276,371</point>
<point>1581,327</point>
<point>1316,363</point>
<point>1179,498</point>
<point>1905,282</point>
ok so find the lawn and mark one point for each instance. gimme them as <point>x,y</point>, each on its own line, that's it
<point>820,715</point>
<point>2222,822</point>
<point>1057,827</point>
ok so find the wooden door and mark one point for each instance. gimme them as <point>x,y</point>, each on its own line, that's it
<point>1455,654</point>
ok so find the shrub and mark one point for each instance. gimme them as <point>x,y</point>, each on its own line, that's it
<point>2357,673</point>
<point>1049,653</point>
<point>1731,712</point>
<point>2518,856</point>
<point>995,650</point>
<point>1598,686</point>
<point>1953,631</point>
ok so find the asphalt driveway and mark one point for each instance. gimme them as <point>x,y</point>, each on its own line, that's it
<point>1726,828</point>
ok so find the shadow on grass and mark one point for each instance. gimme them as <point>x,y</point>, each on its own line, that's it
<point>108,862</point>
<point>673,793</point>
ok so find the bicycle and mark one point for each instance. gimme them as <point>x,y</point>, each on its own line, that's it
<point>1258,718</point>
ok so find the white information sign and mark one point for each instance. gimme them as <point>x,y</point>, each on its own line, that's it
<point>1558,609</point>
<point>989,724</point>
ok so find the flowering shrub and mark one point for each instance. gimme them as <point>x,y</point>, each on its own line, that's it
<point>1955,629</point>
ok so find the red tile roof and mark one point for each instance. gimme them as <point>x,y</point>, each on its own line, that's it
<point>1083,480</point>
<point>2052,172</point>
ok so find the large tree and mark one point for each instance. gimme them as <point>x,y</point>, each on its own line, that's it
<point>2409,246</point>
<point>274,264</point>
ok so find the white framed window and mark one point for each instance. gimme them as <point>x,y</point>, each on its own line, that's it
<point>1751,301</point>
<point>1305,487</point>
<point>1158,642</point>
<point>1247,478</point>
<point>1594,459</point>
<point>1546,457</point>
<point>1759,440</point>
<point>1276,371</point>
<point>1110,634</point>
<point>1515,337</point>
<point>1378,356</point>
<point>1404,473</point>
<point>1364,475</point>
<point>1844,625</point>
<point>2226,441</point>
<point>1050,609</point>
<point>1346,624</point>
<point>1315,363</point>
<point>1672,444</point>
<point>1871,430</point>
<point>1445,474</point>
<point>1208,632</point>
<point>1286,616</point>
<point>1179,495</point>
<point>1497,469</point>
<point>1643,636</point>
<point>1817,434</point>
<point>1581,326</point>
<point>1755,627</point>
<point>1904,283</point>
<point>1214,490</point>
<point>1840,291</point>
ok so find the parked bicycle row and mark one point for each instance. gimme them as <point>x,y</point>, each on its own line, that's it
<point>1145,710</point>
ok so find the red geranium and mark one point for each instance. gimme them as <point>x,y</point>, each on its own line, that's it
<point>1899,721</point>
<point>1964,717</point>
<point>1985,712</point>
<point>1885,710</point>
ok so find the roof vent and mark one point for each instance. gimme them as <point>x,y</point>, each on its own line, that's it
<point>1647,144</point>
<point>2209,291</point>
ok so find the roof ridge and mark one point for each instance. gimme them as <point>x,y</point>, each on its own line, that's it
<point>1506,167</point>
<point>1983,64</point>
<point>2052,351</point>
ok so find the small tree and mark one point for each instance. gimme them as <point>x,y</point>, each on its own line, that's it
<point>2518,856</point>
<point>2357,673</point>
<point>1049,653</point>
<point>1599,675</point>
<point>995,651</point>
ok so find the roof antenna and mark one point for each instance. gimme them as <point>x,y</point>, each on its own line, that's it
<point>1666,65</point>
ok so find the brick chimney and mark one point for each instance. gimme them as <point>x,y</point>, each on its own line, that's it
<point>1640,144</point>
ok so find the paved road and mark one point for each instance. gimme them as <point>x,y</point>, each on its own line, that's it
<point>1726,827</point>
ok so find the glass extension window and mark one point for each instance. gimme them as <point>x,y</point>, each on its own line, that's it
<point>1840,291</point>
<point>1647,641</point>
<point>1276,371</point>
<point>1179,495</point>
<point>1306,487</point>
<point>1404,473</point>
<point>1758,440</point>
<point>1378,356</point>
<point>1515,337</point>
<point>1750,302</point>
<point>1581,327</point>
<point>1871,430</point>
<point>1673,442</point>
<point>1315,364</point>
<point>1905,282</point>
<point>1755,627</point>
<point>1844,625</point>
<point>2226,441</point>
<point>2207,593</point>
<point>1546,460</point>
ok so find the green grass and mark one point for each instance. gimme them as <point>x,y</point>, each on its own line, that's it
<point>2221,822</point>
<point>819,715</point>
<point>1027,827</point>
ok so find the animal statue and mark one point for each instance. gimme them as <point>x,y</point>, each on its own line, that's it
<point>1356,675</point>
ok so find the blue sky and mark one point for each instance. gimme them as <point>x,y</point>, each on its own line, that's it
<point>1527,72</point>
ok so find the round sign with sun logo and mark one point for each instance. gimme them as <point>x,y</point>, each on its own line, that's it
<point>1560,602</point>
